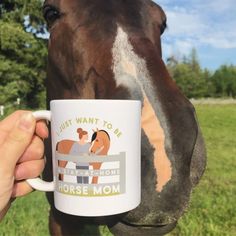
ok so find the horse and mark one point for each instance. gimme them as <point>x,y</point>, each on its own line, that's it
<point>100,144</point>
<point>111,49</point>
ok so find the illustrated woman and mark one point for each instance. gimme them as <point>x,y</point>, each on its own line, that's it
<point>81,148</point>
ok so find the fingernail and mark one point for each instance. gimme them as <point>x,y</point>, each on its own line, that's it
<point>26,122</point>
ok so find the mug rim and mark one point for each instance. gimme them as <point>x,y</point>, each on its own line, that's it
<point>95,100</point>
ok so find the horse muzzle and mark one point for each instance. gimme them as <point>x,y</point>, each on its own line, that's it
<point>130,229</point>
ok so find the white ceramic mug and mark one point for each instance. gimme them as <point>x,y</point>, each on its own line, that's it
<point>96,156</point>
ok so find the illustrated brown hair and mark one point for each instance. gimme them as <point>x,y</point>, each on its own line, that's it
<point>81,132</point>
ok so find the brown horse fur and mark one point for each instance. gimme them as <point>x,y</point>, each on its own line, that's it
<point>111,49</point>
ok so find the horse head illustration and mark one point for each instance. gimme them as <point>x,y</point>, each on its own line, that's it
<point>100,146</point>
<point>100,142</point>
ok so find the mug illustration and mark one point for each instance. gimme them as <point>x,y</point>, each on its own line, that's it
<point>94,173</point>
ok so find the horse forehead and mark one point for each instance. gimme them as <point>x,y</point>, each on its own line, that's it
<point>62,3</point>
<point>128,66</point>
<point>100,134</point>
<point>132,12</point>
<point>102,10</point>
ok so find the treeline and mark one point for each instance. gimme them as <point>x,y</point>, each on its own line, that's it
<point>196,82</point>
<point>23,56</point>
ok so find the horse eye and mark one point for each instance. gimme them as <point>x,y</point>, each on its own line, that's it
<point>51,14</point>
<point>96,140</point>
<point>163,27</point>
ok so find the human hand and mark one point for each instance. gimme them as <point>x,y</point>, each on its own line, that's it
<point>21,154</point>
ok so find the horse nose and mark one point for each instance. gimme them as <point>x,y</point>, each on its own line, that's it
<point>122,227</point>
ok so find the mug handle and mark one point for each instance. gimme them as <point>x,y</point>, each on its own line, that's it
<point>38,183</point>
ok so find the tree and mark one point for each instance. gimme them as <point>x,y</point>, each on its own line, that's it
<point>208,83</point>
<point>22,53</point>
<point>224,80</point>
<point>191,79</point>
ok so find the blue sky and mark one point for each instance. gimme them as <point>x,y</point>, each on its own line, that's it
<point>208,26</point>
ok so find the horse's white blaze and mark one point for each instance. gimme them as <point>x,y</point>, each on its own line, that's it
<point>126,62</point>
<point>129,69</point>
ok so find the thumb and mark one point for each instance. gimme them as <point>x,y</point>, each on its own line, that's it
<point>18,140</point>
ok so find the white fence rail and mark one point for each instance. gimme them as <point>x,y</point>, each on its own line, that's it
<point>114,176</point>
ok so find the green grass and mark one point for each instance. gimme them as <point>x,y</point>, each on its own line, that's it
<point>212,209</point>
<point>28,216</point>
<point>213,205</point>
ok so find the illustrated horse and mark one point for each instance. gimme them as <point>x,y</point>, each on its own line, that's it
<point>111,49</point>
<point>100,144</point>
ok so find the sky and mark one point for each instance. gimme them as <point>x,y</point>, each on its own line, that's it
<point>209,26</point>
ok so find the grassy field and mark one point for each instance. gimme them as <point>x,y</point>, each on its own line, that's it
<point>212,209</point>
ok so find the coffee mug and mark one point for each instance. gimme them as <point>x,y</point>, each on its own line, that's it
<point>96,156</point>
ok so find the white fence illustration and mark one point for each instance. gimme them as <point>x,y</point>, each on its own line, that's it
<point>112,171</point>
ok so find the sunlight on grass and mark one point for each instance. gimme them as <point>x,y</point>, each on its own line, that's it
<point>213,204</point>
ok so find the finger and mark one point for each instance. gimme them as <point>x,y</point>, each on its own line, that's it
<point>8,123</point>
<point>17,140</point>
<point>21,189</point>
<point>34,151</point>
<point>29,169</point>
<point>41,129</point>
